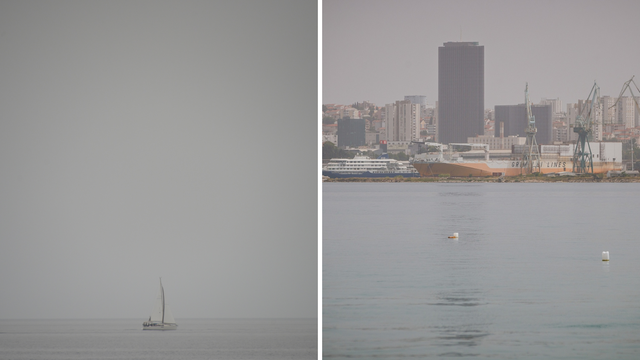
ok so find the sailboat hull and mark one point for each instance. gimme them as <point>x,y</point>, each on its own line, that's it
<point>158,326</point>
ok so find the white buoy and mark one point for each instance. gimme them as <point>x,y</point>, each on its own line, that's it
<point>454,236</point>
<point>605,256</point>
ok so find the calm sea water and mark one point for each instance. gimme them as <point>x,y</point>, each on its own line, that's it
<point>124,339</point>
<point>525,280</point>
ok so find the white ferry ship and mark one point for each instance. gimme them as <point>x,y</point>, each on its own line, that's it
<point>363,166</point>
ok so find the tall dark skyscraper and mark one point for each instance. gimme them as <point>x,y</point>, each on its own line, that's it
<point>460,91</point>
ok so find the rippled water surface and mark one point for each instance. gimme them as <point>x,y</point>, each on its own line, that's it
<point>124,339</point>
<point>525,279</point>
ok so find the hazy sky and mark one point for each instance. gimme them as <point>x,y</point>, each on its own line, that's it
<point>141,139</point>
<point>381,51</point>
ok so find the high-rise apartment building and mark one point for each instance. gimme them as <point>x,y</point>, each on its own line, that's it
<point>572,114</point>
<point>460,91</point>
<point>626,111</point>
<point>403,121</point>
<point>596,118</point>
<point>636,105</point>
<point>389,120</point>
<point>420,100</point>
<point>408,115</point>
<point>608,110</point>
<point>556,105</point>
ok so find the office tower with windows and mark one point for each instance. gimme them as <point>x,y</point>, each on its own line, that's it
<point>460,91</point>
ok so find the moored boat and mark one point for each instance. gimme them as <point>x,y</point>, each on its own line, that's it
<point>363,166</point>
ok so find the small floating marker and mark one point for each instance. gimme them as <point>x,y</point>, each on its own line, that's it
<point>454,236</point>
<point>605,256</point>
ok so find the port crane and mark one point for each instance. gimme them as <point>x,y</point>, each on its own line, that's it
<point>531,153</point>
<point>582,156</point>
<point>625,87</point>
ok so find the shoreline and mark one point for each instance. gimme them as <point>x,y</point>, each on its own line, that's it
<point>590,178</point>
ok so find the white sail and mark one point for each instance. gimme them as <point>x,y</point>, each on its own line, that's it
<point>156,314</point>
<point>168,316</point>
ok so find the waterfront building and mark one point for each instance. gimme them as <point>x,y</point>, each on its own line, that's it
<point>460,91</point>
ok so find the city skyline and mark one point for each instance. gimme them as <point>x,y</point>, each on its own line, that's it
<point>381,51</point>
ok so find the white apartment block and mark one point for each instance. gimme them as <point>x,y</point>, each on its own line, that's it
<point>561,134</point>
<point>572,113</point>
<point>637,111</point>
<point>403,121</point>
<point>608,110</point>
<point>626,112</point>
<point>436,133</point>
<point>389,120</point>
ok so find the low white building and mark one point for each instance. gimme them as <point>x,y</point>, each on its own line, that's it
<point>330,137</point>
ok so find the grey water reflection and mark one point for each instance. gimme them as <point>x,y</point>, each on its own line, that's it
<point>395,286</point>
<point>463,324</point>
<point>458,298</point>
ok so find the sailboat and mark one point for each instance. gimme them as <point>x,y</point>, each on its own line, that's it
<point>161,318</point>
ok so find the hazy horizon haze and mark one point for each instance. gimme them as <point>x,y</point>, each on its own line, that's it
<point>132,142</point>
<point>380,51</point>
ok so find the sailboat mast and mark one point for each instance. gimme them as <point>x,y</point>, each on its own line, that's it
<point>162,296</point>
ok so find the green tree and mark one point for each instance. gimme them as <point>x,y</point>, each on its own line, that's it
<point>331,151</point>
<point>399,156</point>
